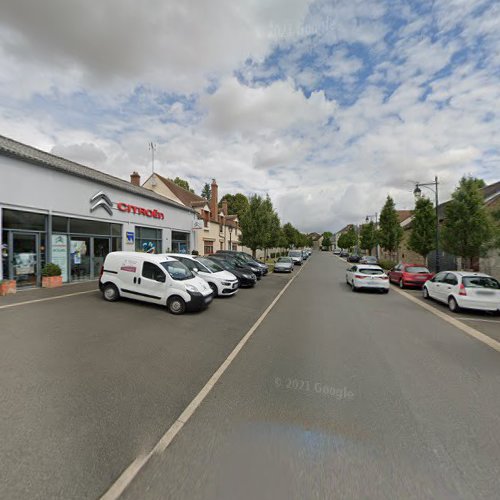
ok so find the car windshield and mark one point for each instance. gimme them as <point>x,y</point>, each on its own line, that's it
<point>285,260</point>
<point>295,254</point>
<point>222,263</point>
<point>480,282</point>
<point>211,265</point>
<point>177,270</point>
<point>371,270</point>
<point>417,270</point>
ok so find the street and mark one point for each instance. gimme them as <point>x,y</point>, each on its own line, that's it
<point>334,395</point>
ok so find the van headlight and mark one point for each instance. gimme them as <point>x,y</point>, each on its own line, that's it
<point>191,288</point>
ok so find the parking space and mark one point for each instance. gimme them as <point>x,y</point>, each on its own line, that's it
<point>89,385</point>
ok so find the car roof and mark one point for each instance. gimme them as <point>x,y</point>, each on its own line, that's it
<point>175,255</point>
<point>468,273</point>
<point>154,257</point>
<point>369,266</point>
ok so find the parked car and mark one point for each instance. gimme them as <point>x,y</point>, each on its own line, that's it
<point>460,289</point>
<point>153,278</point>
<point>411,275</point>
<point>354,258</point>
<point>296,256</point>
<point>221,282</point>
<point>337,251</point>
<point>369,259</point>
<point>305,254</point>
<point>344,253</point>
<point>246,257</point>
<point>367,276</point>
<point>237,260</point>
<point>245,276</point>
<point>284,265</point>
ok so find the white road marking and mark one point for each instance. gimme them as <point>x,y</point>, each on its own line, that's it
<point>455,322</point>
<point>128,475</point>
<point>46,299</point>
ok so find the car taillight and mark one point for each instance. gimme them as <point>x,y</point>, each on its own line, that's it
<point>462,290</point>
<point>384,277</point>
<point>360,276</point>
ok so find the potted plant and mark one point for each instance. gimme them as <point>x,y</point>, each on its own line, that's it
<point>51,276</point>
<point>7,287</point>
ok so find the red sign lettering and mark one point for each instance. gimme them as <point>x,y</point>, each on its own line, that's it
<point>126,207</point>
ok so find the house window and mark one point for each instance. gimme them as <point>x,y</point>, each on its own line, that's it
<point>208,247</point>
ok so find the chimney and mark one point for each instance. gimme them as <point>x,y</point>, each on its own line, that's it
<point>135,179</point>
<point>214,200</point>
<point>224,207</point>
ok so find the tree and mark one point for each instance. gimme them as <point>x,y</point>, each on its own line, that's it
<point>237,204</point>
<point>327,239</point>
<point>349,239</point>
<point>183,184</point>
<point>291,235</point>
<point>468,228</point>
<point>342,241</point>
<point>390,233</point>
<point>368,237</point>
<point>423,228</point>
<point>206,192</point>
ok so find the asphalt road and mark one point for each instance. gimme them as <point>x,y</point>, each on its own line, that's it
<point>336,395</point>
<point>87,385</point>
<point>341,395</point>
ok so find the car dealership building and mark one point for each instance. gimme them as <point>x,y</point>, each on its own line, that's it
<point>56,210</point>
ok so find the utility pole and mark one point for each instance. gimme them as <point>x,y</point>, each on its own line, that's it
<point>152,148</point>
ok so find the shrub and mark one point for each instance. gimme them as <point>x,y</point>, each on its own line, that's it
<point>386,264</point>
<point>51,269</point>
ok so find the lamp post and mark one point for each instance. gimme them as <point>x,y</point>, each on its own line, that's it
<point>418,193</point>
<point>222,229</point>
<point>230,235</point>
<point>368,219</point>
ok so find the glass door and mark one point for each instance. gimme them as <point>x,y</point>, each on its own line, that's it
<point>101,249</point>
<point>80,258</point>
<point>25,259</point>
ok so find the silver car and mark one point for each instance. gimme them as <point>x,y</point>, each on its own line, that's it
<point>284,265</point>
<point>296,256</point>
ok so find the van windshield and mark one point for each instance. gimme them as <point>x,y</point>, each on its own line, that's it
<point>177,270</point>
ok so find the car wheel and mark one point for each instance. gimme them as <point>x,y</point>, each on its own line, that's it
<point>214,289</point>
<point>452,304</point>
<point>110,292</point>
<point>426,293</point>
<point>401,284</point>
<point>353,287</point>
<point>176,305</point>
<point>386,290</point>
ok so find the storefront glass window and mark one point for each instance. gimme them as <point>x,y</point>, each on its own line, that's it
<point>83,226</point>
<point>180,242</point>
<point>80,258</point>
<point>59,224</point>
<point>116,229</point>
<point>16,219</point>
<point>147,240</point>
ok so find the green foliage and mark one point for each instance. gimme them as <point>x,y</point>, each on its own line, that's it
<point>51,269</point>
<point>423,229</point>
<point>237,204</point>
<point>390,233</point>
<point>206,192</point>
<point>387,264</point>
<point>349,239</point>
<point>183,184</point>
<point>468,228</point>
<point>327,239</point>
<point>368,237</point>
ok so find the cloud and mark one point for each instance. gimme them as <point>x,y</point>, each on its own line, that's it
<point>85,153</point>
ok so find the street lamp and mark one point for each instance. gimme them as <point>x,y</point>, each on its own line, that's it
<point>230,235</point>
<point>417,192</point>
<point>368,219</point>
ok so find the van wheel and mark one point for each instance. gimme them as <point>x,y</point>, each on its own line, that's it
<point>214,289</point>
<point>110,292</point>
<point>176,305</point>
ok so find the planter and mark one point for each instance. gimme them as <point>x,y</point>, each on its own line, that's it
<point>51,281</point>
<point>7,287</point>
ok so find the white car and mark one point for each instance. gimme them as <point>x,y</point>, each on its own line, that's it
<point>460,289</point>
<point>367,276</point>
<point>153,278</point>
<point>296,256</point>
<point>221,282</point>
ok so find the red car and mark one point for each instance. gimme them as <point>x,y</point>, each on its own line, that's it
<point>410,275</point>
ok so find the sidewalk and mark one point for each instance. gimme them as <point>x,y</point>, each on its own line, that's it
<point>43,293</point>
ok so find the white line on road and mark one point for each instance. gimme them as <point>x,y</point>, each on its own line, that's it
<point>128,475</point>
<point>481,319</point>
<point>455,322</point>
<point>46,298</point>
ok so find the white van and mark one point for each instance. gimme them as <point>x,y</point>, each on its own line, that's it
<point>221,282</point>
<point>153,278</point>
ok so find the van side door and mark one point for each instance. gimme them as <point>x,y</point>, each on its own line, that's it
<point>152,283</point>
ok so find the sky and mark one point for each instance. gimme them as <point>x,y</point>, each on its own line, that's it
<point>327,106</point>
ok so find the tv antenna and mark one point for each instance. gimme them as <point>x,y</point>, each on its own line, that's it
<point>152,148</point>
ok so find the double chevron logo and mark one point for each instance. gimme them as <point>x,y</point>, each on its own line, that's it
<point>101,199</point>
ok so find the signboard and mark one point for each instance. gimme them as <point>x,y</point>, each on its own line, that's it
<point>130,237</point>
<point>60,254</point>
<point>198,224</point>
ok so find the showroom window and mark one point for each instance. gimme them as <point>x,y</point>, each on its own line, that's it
<point>147,240</point>
<point>180,242</point>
